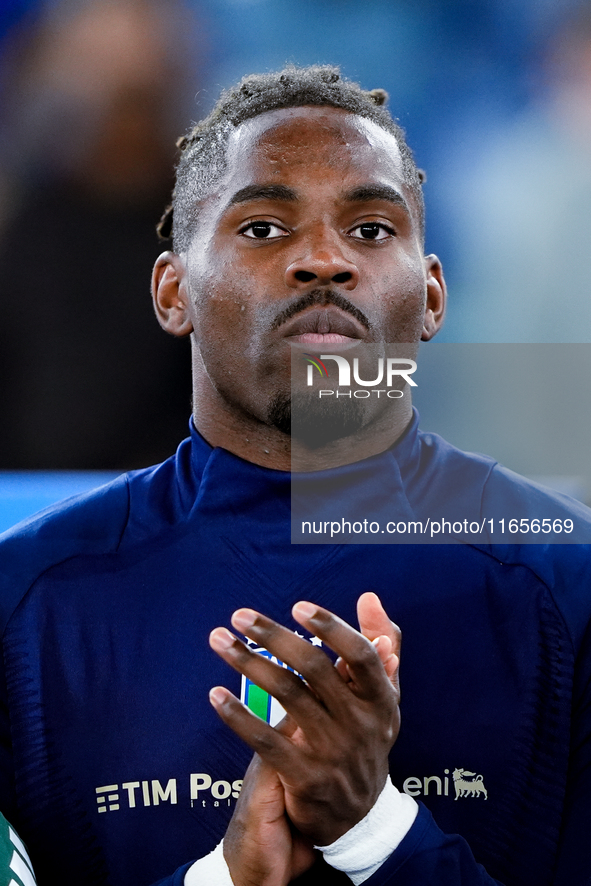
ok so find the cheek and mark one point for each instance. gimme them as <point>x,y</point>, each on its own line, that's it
<point>402,305</point>
<point>222,343</point>
<point>233,313</point>
<point>221,312</point>
<point>229,336</point>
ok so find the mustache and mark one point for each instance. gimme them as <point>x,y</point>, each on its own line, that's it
<point>321,298</point>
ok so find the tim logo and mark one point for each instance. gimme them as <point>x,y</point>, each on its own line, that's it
<point>468,784</point>
<point>387,370</point>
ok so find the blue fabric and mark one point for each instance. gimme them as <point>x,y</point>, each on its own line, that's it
<point>115,769</point>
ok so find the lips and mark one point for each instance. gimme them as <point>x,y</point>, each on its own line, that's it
<point>323,326</point>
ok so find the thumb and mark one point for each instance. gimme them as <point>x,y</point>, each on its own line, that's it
<point>261,791</point>
<point>376,626</point>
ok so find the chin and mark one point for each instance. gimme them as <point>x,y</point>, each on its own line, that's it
<point>317,423</point>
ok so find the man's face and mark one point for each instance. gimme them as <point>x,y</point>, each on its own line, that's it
<point>311,238</point>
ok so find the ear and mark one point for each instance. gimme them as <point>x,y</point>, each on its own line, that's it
<point>169,294</point>
<point>436,297</point>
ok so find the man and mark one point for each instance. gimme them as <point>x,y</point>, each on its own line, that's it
<point>297,223</point>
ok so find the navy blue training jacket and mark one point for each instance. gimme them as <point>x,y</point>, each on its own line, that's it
<point>114,768</point>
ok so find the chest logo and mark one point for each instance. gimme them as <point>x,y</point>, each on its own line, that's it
<point>468,784</point>
<point>256,699</point>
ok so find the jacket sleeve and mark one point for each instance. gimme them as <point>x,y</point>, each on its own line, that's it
<point>320,875</point>
<point>427,855</point>
<point>178,878</point>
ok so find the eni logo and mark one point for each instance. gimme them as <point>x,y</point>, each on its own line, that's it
<point>470,786</point>
<point>466,784</point>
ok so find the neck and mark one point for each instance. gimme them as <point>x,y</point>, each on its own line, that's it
<point>265,445</point>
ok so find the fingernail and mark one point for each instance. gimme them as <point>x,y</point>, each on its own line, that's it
<point>244,619</point>
<point>217,695</point>
<point>221,639</point>
<point>305,609</point>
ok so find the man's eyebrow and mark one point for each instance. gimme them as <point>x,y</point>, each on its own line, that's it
<point>264,192</point>
<point>365,193</point>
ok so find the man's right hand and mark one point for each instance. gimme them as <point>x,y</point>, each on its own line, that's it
<point>260,846</point>
<point>334,764</point>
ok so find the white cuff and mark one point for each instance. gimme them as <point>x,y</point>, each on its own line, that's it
<point>211,870</point>
<point>364,848</point>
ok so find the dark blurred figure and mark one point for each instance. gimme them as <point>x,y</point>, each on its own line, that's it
<point>87,378</point>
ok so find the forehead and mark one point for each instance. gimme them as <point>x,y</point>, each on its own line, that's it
<point>283,145</point>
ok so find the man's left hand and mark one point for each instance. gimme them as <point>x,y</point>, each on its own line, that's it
<point>332,759</point>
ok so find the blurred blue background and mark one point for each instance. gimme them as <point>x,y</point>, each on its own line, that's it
<point>495,96</point>
<point>22,493</point>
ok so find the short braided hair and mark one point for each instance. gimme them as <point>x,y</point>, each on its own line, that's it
<point>203,150</point>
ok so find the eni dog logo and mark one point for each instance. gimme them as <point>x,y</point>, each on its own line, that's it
<point>468,784</point>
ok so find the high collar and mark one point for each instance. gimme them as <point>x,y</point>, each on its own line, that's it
<point>221,479</point>
<point>420,476</point>
<point>405,452</point>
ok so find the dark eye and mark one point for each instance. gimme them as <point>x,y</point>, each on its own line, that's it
<point>371,231</point>
<point>262,230</point>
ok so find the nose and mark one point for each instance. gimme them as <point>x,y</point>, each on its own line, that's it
<point>322,263</point>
